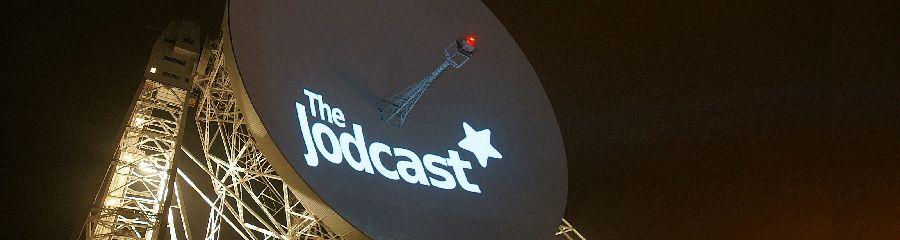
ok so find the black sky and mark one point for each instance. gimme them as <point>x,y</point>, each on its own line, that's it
<point>682,120</point>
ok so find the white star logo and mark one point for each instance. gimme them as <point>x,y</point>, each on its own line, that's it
<point>479,143</point>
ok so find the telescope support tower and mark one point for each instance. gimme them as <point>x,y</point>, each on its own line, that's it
<point>395,109</point>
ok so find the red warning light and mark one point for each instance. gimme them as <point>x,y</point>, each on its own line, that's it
<point>470,40</point>
<point>467,48</point>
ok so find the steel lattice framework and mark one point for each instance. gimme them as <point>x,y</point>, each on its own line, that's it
<point>250,196</point>
<point>396,108</point>
<point>136,187</point>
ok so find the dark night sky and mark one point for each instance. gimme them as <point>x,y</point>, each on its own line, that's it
<point>700,120</point>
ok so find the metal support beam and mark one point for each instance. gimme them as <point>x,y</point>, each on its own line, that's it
<point>568,232</point>
<point>248,191</point>
<point>395,109</point>
<point>136,189</point>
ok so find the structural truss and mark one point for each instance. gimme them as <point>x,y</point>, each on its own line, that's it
<point>395,109</point>
<point>136,188</point>
<point>249,195</point>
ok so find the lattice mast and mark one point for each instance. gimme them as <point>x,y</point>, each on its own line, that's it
<point>134,199</point>
<point>395,109</point>
<point>249,196</point>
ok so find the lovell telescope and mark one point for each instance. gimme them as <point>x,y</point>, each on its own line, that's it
<point>147,189</point>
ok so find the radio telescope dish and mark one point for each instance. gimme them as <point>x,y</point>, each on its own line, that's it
<point>479,157</point>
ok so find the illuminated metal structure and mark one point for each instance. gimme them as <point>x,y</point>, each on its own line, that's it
<point>136,190</point>
<point>140,196</point>
<point>568,232</point>
<point>142,192</point>
<point>249,195</point>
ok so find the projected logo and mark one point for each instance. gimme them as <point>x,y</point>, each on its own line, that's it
<point>429,170</point>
